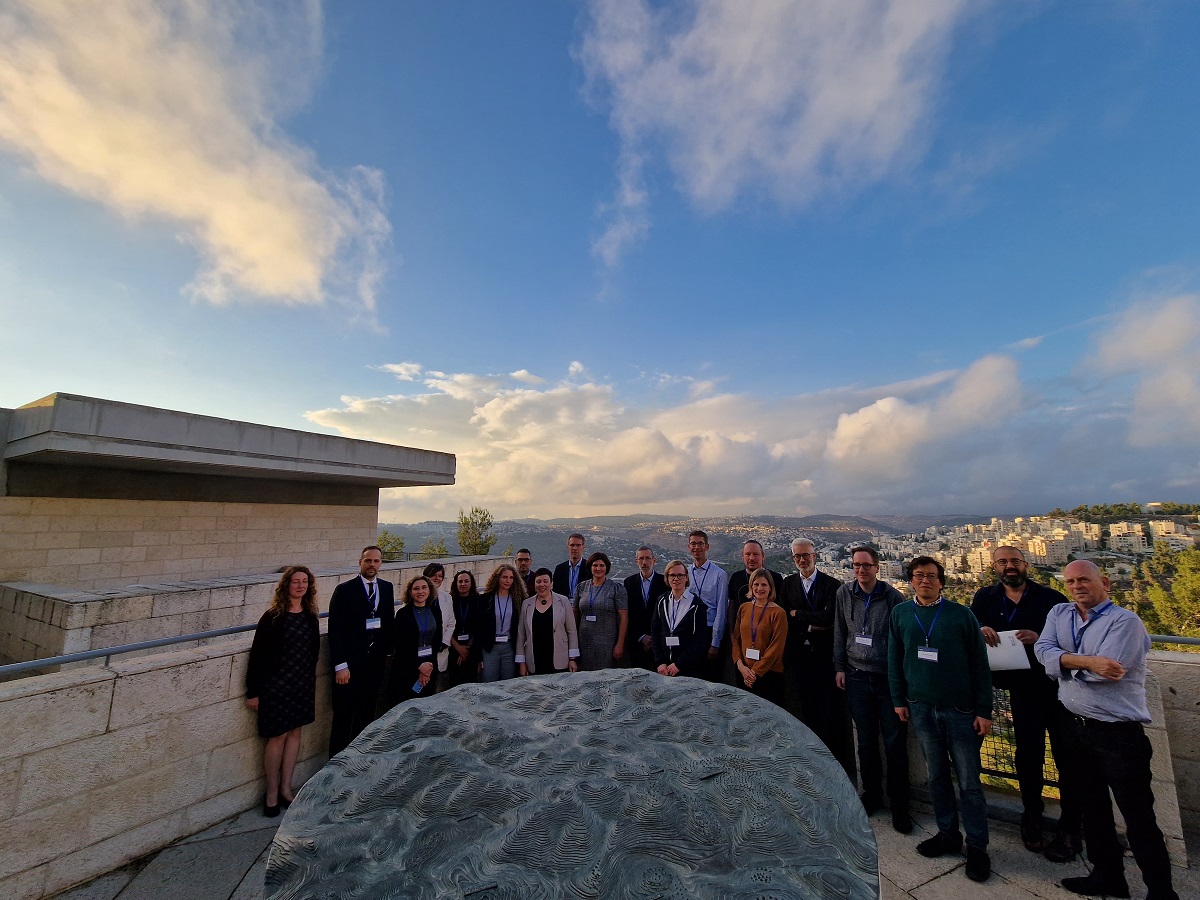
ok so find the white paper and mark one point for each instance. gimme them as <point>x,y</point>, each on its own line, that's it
<point>1009,655</point>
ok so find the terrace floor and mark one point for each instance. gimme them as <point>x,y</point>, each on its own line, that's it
<point>229,861</point>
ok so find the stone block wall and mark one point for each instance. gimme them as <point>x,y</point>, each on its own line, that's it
<point>94,544</point>
<point>102,765</point>
<point>41,621</point>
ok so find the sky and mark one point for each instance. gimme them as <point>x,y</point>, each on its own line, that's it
<point>705,257</point>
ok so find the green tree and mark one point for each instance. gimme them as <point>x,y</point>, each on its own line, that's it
<point>475,537</point>
<point>433,548</point>
<point>390,545</point>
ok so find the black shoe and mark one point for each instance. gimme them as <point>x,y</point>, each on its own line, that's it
<point>1063,848</point>
<point>902,821</point>
<point>871,804</point>
<point>979,864</point>
<point>270,812</point>
<point>940,844</point>
<point>1031,836</point>
<point>1098,885</point>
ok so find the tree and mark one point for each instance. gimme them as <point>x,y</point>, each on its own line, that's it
<point>475,537</point>
<point>433,548</point>
<point>390,545</point>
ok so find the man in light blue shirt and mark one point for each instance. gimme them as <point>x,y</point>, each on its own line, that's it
<point>710,583</point>
<point>1097,652</point>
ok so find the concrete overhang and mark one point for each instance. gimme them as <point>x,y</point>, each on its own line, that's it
<point>69,430</point>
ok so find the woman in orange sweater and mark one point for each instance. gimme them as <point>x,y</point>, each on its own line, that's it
<point>759,637</point>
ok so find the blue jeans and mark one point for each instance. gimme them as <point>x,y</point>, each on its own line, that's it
<point>498,663</point>
<point>871,708</point>
<point>948,738</point>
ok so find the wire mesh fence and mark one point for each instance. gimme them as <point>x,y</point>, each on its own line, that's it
<point>996,757</point>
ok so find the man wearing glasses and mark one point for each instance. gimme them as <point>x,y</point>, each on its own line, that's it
<point>524,562</point>
<point>1014,603</point>
<point>861,624</point>
<point>710,583</point>
<point>940,680</point>
<point>809,598</point>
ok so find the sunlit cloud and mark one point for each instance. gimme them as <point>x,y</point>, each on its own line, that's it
<point>791,100</point>
<point>526,377</point>
<point>169,112</point>
<point>405,371</point>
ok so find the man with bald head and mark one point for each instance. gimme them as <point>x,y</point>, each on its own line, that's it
<point>1097,652</point>
<point>1016,604</point>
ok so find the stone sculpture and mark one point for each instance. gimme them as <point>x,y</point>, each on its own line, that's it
<point>604,784</point>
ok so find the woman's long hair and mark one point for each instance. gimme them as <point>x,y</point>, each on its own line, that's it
<point>474,589</point>
<point>281,599</point>
<point>518,587</point>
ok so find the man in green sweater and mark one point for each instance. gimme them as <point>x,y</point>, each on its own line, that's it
<point>940,681</point>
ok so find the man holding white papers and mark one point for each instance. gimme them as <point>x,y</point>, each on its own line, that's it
<point>1016,604</point>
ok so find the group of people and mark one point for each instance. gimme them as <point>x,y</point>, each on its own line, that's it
<point>832,653</point>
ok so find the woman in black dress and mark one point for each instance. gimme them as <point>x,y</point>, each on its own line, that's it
<point>463,596</point>
<point>281,679</point>
<point>418,633</point>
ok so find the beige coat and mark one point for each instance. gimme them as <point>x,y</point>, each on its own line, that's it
<point>566,637</point>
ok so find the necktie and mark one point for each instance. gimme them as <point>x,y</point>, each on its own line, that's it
<point>371,595</point>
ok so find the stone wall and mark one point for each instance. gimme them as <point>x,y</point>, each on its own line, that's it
<point>41,621</point>
<point>104,543</point>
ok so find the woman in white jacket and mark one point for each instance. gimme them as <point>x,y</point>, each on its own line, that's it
<point>547,640</point>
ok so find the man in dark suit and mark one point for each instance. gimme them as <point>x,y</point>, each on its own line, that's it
<point>739,582</point>
<point>524,561</point>
<point>809,599</point>
<point>361,615</point>
<point>568,574</point>
<point>643,588</point>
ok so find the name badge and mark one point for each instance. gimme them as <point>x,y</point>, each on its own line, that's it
<point>753,654</point>
<point>589,618</point>
<point>672,641</point>
<point>929,654</point>
<point>372,624</point>
<point>502,639</point>
<point>864,639</point>
<point>463,638</point>
<point>424,651</point>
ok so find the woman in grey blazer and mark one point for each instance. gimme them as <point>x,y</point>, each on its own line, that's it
<point>547,640</point>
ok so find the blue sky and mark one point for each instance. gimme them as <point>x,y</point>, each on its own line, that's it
<point>701,257</point>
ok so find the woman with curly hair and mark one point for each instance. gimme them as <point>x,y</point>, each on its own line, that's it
<point>418,640</point>
<point>281,679</point>
<point>602,610</point>
<point>464,596</point>
<point>494,629</point>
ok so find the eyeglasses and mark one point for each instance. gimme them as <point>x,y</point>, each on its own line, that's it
<point>924,576</point>
<point>678,575</point>
<point>802,556</point>
<point>864,565</point>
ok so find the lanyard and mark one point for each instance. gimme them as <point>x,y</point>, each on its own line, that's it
<point>501,624</point>
<point>754,624</point>
<point>645,590</point>
<point>372,596</point>
<point>1077,632</point>
<point>866,606</point>
<point>673,617</point>
<point>928,631</point>
<point>573,576</point>
<point>700,586</point>
<point>1004,601</point>
<point>425,624</point>
<point>460,612</point>
<point>592,595</point>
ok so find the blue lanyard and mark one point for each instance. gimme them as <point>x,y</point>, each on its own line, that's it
<point>672,604</point>
<point>425,625</point>
<point>573,576</point>
<point>866,606</point>
<point>501,626</point>
<point>928,631</point>
<point>460,612</point>
<point>645,590</point>
<point>700,586</point>
<point>1076,632</point>
<point>592,595</point>
<point>754,625</point>
<point>1004,601</point>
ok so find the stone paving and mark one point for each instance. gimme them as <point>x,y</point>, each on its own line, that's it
<point>229,862</point>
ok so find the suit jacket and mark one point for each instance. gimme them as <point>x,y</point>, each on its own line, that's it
<point>529,591</point>
<point>817,609</point>
<point>640,613</point>
<point>739,583</point>
<point>408,638</point>
<point>566,635</point>
<point>562,576</point>
<point>348,613</point>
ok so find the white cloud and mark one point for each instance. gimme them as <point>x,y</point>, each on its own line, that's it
<point>1158,342</point>
<point>526,377</point>
<point>405,371</point>
<point>169,111</point>
<point>796,100</point>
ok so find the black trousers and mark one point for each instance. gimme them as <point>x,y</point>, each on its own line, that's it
<point>1037,713</point>
<point>769,686</point>
<point>823,706</point>
<point>1103,756</point>
<point>874,716</point>
<point>354,704</point>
